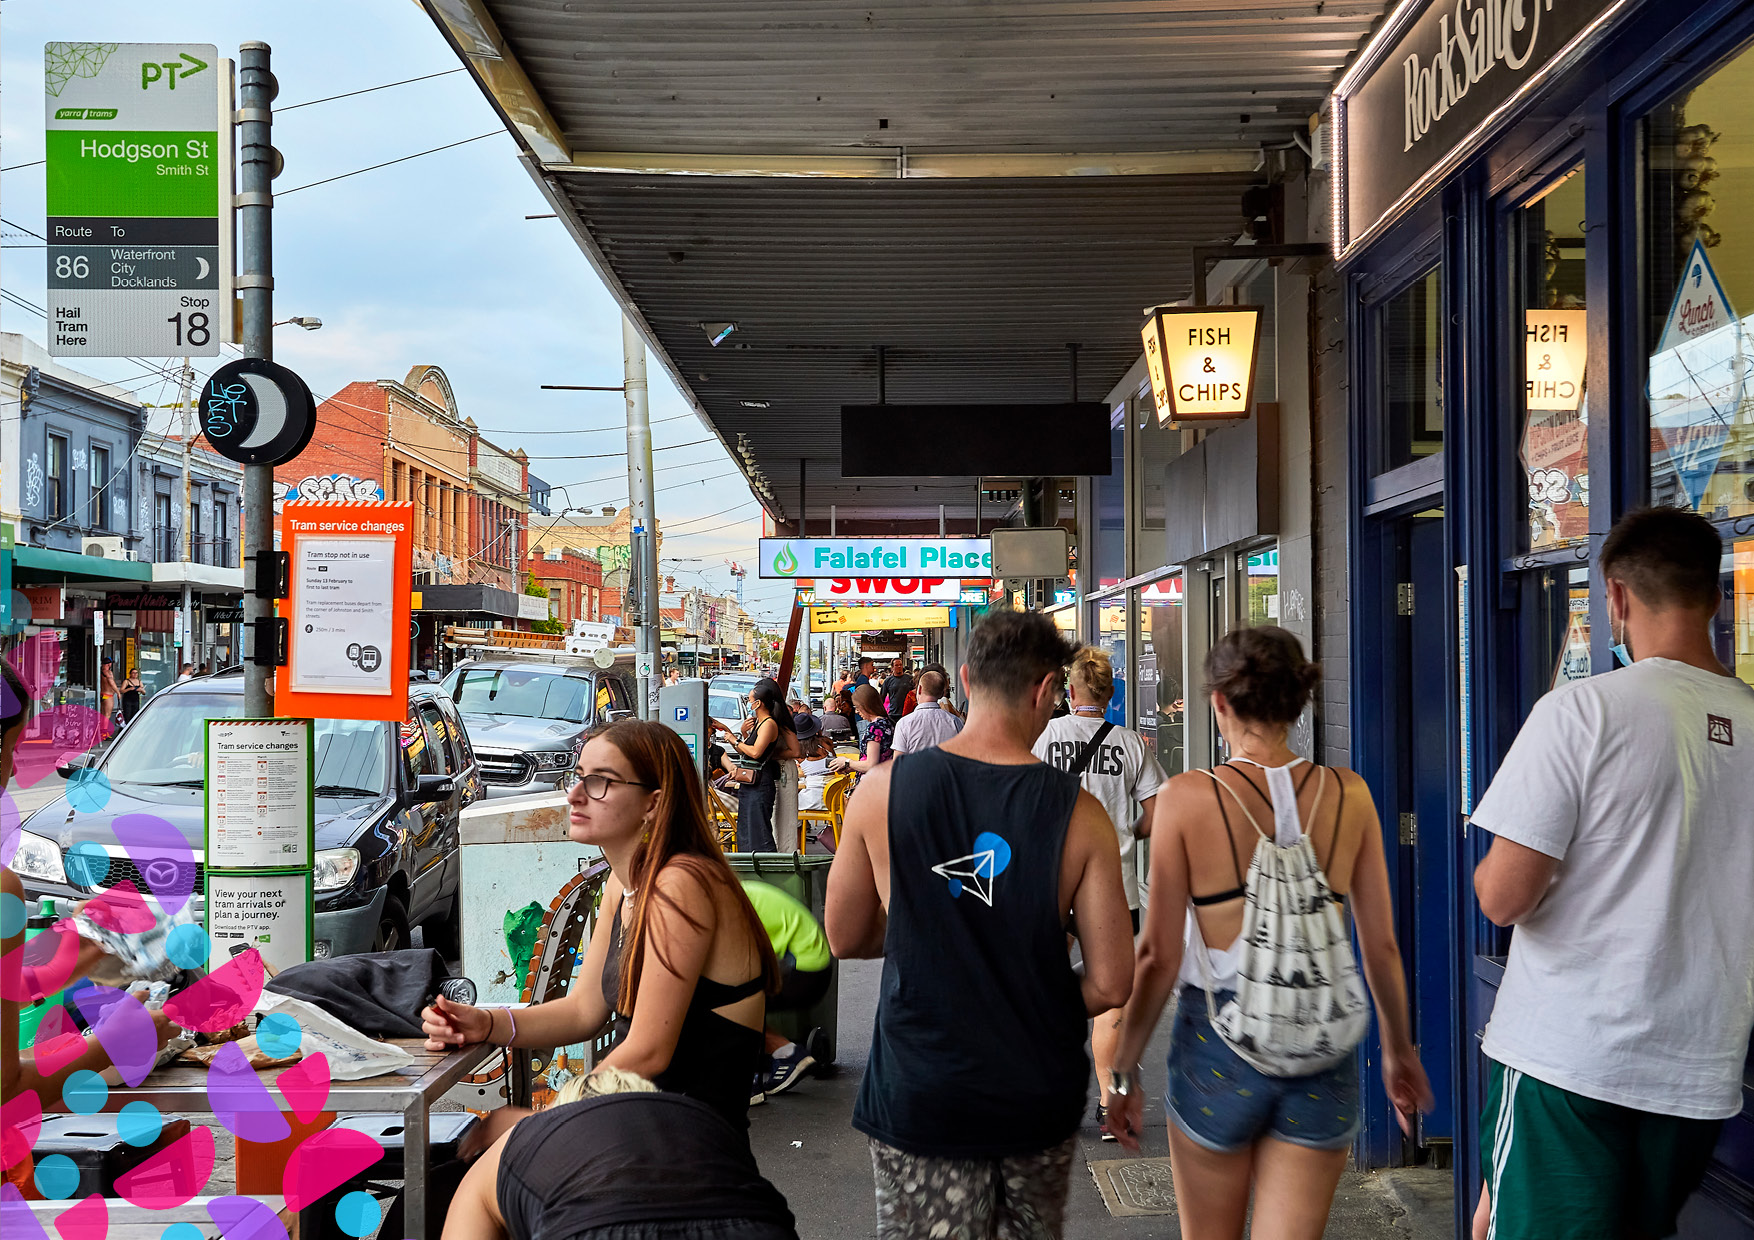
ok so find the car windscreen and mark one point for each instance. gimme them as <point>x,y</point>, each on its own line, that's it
<point>528,694</point>
<point>723,706</point>
<point>165,746</point>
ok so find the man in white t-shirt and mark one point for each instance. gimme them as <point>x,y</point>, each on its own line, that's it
<point>1120,774</point>
<point>1624,857</point>
<point>929,724</point>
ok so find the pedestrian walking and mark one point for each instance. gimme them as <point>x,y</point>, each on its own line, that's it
<point>895,690</point>
<point>1112,765</point>
<point>946,702</point>
<point>1251,866</point>
<point>929,724</point>
<point>867,669</point>
<point>132,692</point>
<point>877,735</point>
<point>957,865</point>
<point>769,742</point>
<point>1623,856</point>
<point>679,963</point>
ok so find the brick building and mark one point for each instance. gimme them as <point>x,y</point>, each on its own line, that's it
<point>574,580</point>
<point>499,512</point>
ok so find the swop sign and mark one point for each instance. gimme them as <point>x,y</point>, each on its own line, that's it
<point>875,557</point>
<point>138,166</point>
<point>1431,88</point>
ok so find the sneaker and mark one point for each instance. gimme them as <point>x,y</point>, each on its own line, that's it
<point>1102,1124</point>
<point>757,1095</point>
<point>783,1071</point>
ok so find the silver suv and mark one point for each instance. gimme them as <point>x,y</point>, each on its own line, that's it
<point>527,719</point>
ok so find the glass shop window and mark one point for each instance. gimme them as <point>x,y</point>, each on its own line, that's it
<point>1410,343</point>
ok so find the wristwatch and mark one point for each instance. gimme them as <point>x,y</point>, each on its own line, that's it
<point>1122,1083</point>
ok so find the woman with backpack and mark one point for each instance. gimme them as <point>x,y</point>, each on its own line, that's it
<point>1251,866</point>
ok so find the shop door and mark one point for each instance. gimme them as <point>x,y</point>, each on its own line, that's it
<point>1422,813</point>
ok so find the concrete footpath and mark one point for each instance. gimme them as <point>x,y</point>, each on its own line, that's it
<point>806,1145</point>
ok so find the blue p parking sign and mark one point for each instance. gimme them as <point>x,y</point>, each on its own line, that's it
<point>682,714</point>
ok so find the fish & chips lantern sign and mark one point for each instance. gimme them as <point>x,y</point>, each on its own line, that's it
<point>876,557</point>
<point>1202,361</point>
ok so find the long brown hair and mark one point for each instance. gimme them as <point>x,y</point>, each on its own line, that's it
<point>680,834</point>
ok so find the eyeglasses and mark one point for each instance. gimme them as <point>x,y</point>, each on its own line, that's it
<point>597,786</point>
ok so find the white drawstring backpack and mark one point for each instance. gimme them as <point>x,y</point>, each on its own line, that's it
<point>1300,1005</point>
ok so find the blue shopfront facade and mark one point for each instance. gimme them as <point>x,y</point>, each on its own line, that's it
<point>1543,218</point>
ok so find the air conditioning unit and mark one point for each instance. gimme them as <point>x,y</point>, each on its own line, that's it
<point>107,548</point>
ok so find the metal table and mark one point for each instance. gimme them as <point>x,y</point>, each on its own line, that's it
<point>182,1088</point>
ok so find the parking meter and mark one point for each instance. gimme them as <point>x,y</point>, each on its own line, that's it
<point>682,709</point>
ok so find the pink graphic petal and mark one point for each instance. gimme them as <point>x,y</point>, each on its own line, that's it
<point>17,1220</point>
<point>325,1161</point>
<point>40,966</point>
<point>122,908</point>
<point>9,820</point>
<point>173,1175</point>
<point>21,1118</point>
<point>245,1218</point>
<point>123,1027</point>
<point>89,1220</point>
<point>305,1086</point>
<point>146,838</point>
<point>58,1041</point>
<point>80,725</point>
<point>222,998</point>
<point>239,1099</point>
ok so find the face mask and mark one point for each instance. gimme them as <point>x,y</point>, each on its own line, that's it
<point>1622,653</point>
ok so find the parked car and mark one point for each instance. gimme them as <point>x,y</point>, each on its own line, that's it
<point>527,718</point>
<point>388,804</point>
<point>727,697</point>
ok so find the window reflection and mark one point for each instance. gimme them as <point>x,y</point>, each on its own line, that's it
<point>1263,575</point>
<point>1162,696</point>
<point>1699,159</point>
<point>1734,632</point>
<point>1111,635</point>
<point>1412,369</point>
<point>1554,446</point>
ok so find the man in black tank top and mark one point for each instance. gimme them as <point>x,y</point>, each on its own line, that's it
<point>958,866</point>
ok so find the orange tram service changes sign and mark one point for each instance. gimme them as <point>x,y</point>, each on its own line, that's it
<point>347,608</point>
<point>1202,361</point>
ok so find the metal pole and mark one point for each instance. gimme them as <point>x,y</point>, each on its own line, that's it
<point>640,496</point>
<point>255,282</point>
<point>184,398</point>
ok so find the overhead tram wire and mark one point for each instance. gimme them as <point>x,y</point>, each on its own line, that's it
<point>388,162</point>
<point>366,90</point>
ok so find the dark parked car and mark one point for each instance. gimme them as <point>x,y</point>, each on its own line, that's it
<point>388,801</point>
<point>527,718</point>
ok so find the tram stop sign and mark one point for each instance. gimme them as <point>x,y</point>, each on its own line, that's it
<point>257,413</point>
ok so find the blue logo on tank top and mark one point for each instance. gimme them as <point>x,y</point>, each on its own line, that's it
<point>975,872</point>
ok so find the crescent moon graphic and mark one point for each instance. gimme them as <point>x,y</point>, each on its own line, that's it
<point>202,273</point>
<point>270,411</point>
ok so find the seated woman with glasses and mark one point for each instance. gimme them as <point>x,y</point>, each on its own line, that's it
<point>679,962</point>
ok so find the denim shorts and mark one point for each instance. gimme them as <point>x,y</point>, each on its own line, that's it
<point>1223,1103</point>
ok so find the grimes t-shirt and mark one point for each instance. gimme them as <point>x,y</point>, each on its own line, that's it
<point>1121,775</point>
<point>1632,982</point>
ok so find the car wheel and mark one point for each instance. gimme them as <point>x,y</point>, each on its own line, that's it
<point>446,933</point>
<point>392,927</point>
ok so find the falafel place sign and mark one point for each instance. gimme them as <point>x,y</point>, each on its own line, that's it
<point>786,558</point>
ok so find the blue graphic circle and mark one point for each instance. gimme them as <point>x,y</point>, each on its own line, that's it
<point>986,841</point>
<point>87,863</point>
<point>57,1177</point>
<point>279,1035</point>
<point>13,914</point>
<point>187,946</point>
<point>358,1213</point>
<point>85,1092</point>
<point>139,1123</point>
<point>88,790</point>
<point>956,887</point>
<point>182,1231</point>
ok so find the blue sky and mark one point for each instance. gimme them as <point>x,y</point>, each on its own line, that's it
<point>427,262</point>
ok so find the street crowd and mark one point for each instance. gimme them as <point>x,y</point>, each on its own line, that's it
<point>991,856</point>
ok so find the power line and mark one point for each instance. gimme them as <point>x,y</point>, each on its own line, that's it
<point>387,163</point>
<point>30,164</point>
<point>309,103</point>
<point>21,228</point>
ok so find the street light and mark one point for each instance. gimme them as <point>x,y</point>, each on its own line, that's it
<point>307,322</point>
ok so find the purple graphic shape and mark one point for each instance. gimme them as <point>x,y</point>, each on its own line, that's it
<point>124,1028</point>
<point>245,1218</point>
<point>20,1221</point>
<point>239,1099</point>
<point>153,845</point>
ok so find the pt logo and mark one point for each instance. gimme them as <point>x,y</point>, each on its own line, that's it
<point>975,872</point>
<point>1719,730</point>
<point>170,71</point>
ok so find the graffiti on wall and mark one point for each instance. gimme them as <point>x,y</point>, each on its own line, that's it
<point>329,486</point>
<point>33,481</point>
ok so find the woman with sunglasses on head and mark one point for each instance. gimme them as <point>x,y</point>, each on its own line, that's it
<point>770,740</point>
<point>679,962</point>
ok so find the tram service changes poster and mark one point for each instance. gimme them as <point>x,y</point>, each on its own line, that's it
<point>348,610</point>
<point>259,811</point>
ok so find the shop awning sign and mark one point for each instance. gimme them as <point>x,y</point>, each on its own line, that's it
<point>1202,361</point>
<point>873,619</point>
<point>788,558</point>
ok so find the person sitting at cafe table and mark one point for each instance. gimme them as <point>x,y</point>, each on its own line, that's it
<point>679,961</point>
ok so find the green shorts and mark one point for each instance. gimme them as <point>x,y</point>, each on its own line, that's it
<point>1561,1166</point>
